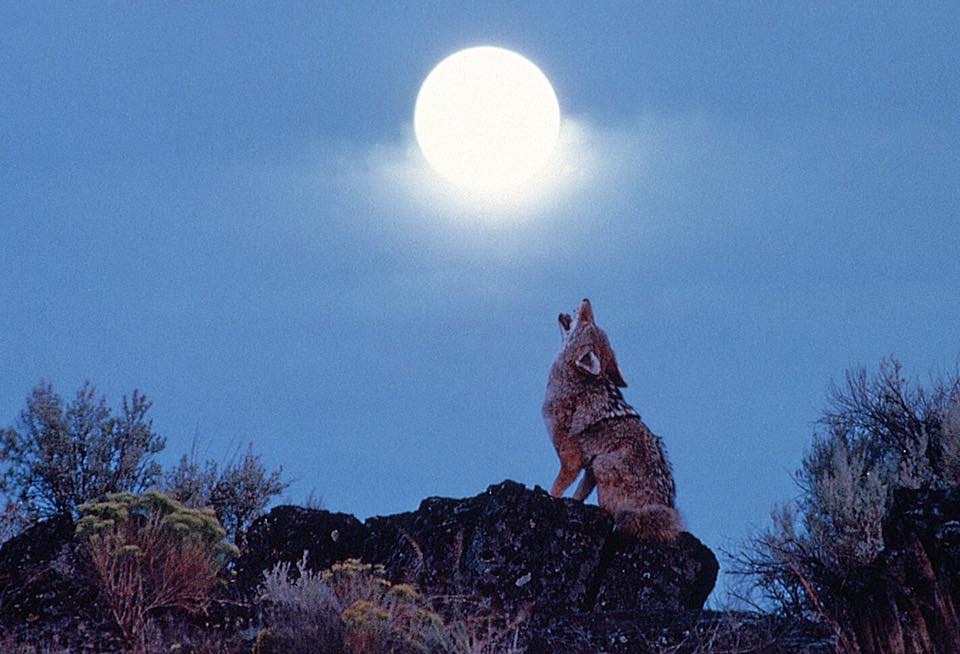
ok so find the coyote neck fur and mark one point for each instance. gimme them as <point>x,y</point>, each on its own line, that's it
<point>573,408</point>
<point>617,407</point>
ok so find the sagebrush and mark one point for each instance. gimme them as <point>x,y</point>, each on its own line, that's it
<point>63,454</point>
<point>352,608</point>
<point>879,433</point>
<point>238,491</point>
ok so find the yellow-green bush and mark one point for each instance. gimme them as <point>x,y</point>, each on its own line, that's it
<point>150,553</point>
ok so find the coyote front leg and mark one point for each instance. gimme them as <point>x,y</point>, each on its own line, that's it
<point>571,463</point>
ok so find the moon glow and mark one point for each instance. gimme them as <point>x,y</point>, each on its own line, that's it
<point>486,119</point>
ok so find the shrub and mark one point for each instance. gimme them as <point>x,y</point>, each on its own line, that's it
<point>60,456</point>
<point>879,433</point>
<point>896,425</point>
<point>300,613</point>
<point>239,492</point>
<point>243,492</point>
<point>191,482</point>
<point>349,607</point>
<point>149,553</point>
<point>950,444</point>
<point>470,628</point>
<point>12,519</point>
<point>845,499</point>
<point>352,608</point>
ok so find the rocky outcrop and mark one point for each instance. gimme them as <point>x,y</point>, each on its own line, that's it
<point>583,587</point>
<point>515,547</point>
<point>44,595</point>
<point>578,586</point>
<point>32,585</point>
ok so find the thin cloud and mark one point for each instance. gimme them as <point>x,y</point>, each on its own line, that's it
<point>401,175</point>
<point>611,194</point>
<point>592,163</point>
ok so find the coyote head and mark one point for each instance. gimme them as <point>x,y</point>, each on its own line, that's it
<point>586,349</point>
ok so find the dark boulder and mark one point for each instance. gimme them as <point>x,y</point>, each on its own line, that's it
<point>582,587</point>
<point>640,575</point>
<point>287,532</point>
<point>511,545</point>
<point>508,544</point>
<point>36,573</point>
<point>45,595</point>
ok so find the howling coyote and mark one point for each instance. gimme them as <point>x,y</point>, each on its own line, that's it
<point>594,429</point>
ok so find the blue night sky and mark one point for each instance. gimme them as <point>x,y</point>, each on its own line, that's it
<point>224,207</point>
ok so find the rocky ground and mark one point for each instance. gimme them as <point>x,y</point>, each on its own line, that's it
<point>558,564</point>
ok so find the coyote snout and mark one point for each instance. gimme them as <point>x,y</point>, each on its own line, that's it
<point>594,429</point>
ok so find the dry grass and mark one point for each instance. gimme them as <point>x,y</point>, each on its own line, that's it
<point>352,608</point>
<point>473,628</point>
<point>141,570</point>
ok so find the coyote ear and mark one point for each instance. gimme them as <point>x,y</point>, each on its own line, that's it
<point>613,372</point>
<point>589,362</point>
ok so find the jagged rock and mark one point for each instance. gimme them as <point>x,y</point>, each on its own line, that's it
<point>43,593</point>
<point>585,588</point>
<point>513,546</point>
<point>664,572</point>
<point>33,585</point>
<point>287,532</point>
<point>509,544</point>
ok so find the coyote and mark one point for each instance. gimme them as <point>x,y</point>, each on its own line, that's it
<point>594,429</point>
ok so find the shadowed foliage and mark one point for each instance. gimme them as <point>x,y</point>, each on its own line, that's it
<point>352,608</point>
<point>61,455</point>
<point>851,551</point>
<point>238,491</point>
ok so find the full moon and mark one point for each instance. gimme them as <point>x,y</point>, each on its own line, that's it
<point>487,119</point>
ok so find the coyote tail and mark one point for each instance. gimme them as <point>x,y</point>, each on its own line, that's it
<point>656,522</point>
